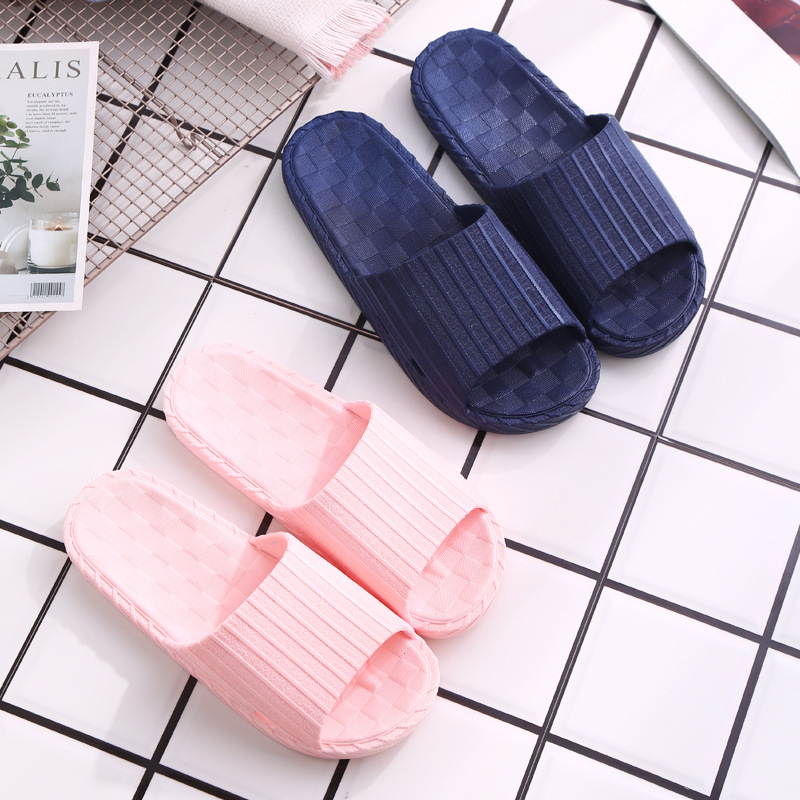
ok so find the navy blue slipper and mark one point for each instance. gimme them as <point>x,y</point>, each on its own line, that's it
<point>574,190</point>
<point>458,302</point>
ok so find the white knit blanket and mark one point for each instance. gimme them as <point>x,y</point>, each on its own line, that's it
<point>331,35</point>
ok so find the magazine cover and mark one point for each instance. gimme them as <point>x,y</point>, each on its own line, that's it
<point>47,106</point>
<point>753,49</point>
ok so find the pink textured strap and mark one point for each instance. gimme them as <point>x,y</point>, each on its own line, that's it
<point>288,653</point>
<point>386,511</point>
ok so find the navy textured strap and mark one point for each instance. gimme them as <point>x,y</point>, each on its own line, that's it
<point>462,306</point>
<point>593,214</point>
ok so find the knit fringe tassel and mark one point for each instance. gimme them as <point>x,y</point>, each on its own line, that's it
<point>347,37</point>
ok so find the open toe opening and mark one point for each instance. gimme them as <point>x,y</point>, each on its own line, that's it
<point>654,299</point>
<point>387,692</point>
<point>184,572</point>
<point>552,373</point>
<point>460,581</point>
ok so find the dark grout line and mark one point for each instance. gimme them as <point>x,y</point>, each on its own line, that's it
<point>634,4</point>
<point>73,384</point>
<point>786,649</point>
<point>34,629</point>
<point>25,30</point>
<point>501,17</point>
<point>196,783</point>
<point>711,293</point>
<point>618,421</point>
<point>583,628</point>
<point>792,187</point>
<point>436,159</point>
<point>549,558</point>
<point>488,711</point>
<point>39,538</point>
<point>407,62</point>
<point>259,151</point>
<point>765,321</point>
<point>683,611</point>
<point>336,779</point>
<point>629,769</point>
<point>474,449</point>
<point>637,70</point>
<point>679,151</point>
<point>336,370</point>
<point>161,747</point>
<point>73,733</point>
<point>301,104</point>
<point>755,673</point>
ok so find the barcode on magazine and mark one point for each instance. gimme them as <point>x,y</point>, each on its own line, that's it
<point>48,289</point>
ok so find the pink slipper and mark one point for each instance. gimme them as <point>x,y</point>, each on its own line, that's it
<point>347,479</point>
<point>284,638</point>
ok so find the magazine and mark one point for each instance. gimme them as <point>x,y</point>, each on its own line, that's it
<point>47,107</point>
<point>753,49</point>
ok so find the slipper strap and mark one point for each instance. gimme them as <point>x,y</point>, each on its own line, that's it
<point>286,655</point>
<point>464,305</point>
<point>593,214</point>
<point>387,510</point>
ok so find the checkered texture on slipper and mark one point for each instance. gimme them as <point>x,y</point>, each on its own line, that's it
<point>346,479</point>
<point>285,639</point>
<point>574,189</point>
<point>458,302</point>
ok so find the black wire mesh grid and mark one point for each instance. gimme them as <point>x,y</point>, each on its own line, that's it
<point>181,89</point>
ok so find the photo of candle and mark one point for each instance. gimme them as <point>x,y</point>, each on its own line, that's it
<point>53,242</point>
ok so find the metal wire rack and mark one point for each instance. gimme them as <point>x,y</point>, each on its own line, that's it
<point>181,89</point>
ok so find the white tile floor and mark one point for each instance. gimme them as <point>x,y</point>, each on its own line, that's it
<point>646,643</point>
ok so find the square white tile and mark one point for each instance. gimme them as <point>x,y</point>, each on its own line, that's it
<point>417,24</point>
<point>740,395</point>
<point>61,438</point>
<point>562,490</point>
<point>513,658</point>
<point>27,573</point>
<point>677,101</point>
<point>779,169</point>
<point>587,48</point>
<point>277,254</point>
<point>656,690</point>
<point>297,341</point>
<point>370,373</point>
<point>158,451</point>
<point>762,274</point>
<point>216,745</point>
<point>697,537</point>
<point>461,753</point>
<point>564,775</point>
<point>38,763</point>
<point>787,629</point>
<point>197,233</point>
<point>711,199</point>
<point>134,313</point>
<point>270,138</point>
<point>162,788</point>
<point>765,761</point>
<point>637,389</point>
<point>92,669</point>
